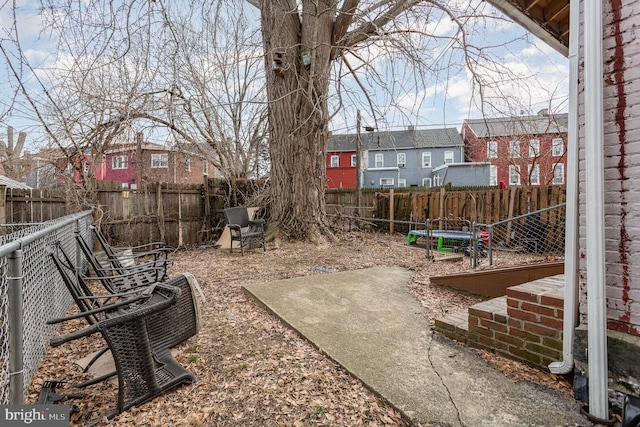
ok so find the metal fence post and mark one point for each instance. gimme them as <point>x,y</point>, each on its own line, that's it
<point>427,235</point>
<point>16,328</point>
<point>490,230</point>
<point>474,246</point>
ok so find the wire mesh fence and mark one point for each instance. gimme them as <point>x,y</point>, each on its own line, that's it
<point>30,295</point>
<point>540,234</point>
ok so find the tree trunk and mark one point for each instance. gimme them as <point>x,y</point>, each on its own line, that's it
<point>298,115</point>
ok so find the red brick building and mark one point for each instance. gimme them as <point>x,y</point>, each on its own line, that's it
<point>526,150</point>
<point>135,164</point>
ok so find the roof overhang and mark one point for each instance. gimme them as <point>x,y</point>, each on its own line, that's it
<point>546,19</point>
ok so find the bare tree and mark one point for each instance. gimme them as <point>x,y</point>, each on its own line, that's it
<point>139,64</point>
<point>304,41</point>
<point>11,155</point>
<point>125,68</point>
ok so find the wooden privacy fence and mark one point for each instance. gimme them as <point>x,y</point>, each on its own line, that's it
<point>19,206</point>
<point>484,206</point>
<point>171,213</point>
<point>187,214</point>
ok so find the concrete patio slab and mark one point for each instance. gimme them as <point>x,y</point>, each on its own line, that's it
<point>368,322</point>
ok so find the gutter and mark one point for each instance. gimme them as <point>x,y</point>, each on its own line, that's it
<point>572,247</point>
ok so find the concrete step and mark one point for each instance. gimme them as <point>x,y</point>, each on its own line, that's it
<point>454,326</point>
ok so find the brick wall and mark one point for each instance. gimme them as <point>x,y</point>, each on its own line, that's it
<point>526,325</point>
<point>622,168</point>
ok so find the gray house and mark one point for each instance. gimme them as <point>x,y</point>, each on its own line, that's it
<point>409,158</point>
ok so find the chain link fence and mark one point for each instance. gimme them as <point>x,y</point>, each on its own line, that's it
<point>539,234</point>
<point>535,236</point>
<point>30,295</point>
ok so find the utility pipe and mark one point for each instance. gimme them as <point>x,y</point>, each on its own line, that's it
<point>594,166</point>
<point>571,247</point>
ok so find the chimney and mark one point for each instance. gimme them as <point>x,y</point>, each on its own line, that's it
<point>139,139</point>
<point>410,128</point>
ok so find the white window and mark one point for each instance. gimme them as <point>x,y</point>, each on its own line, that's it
<point>514,149</point>
<point>354,161</point>
<point>558,174</point>
<point>436,180</point>
<point>160,160</point>
<point>205,167</point>
<point>448,157</point>
<point>534,175</point>
<point>119,162</point>
<point>492,150</point>
<point>379,160</point>
<point>493,175</point>
<point>402,182</point>
<point>534,148</point>
<point>386,182</point>
<point>187,164</point>
<point>335,161</point>
<point>514,175</point>
<point>557,147</point>
<point>426,182</point>
<point>402,160</point>
<point>426,159</point>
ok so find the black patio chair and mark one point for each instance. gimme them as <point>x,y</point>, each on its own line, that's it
<point>155,252</point>
<point>117,277</point>
<point>172,326</point>
<point>128,323</point>
<point>243,230</point>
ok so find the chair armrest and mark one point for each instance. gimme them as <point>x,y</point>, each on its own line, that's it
<point>169,294</point>
<point>132,297</point>
<point>59,340</point>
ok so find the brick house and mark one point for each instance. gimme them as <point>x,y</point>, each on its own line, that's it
<point>134,164</point>
<point>526,150</point>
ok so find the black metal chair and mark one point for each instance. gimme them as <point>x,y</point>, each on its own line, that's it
<point>243,230</point>
<point>139,325</point>
<point>173,326</point>
<point>115,276</point>
<point>156,253</point>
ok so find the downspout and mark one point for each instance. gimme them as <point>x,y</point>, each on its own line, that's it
<point>571,247</point>
<point>594,164</point>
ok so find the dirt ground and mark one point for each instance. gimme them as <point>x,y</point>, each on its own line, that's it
<point>254,371</point>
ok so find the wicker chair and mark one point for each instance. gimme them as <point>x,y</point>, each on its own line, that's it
<point>139,326</point>
<point>243,230</point>
<point>171,327</point>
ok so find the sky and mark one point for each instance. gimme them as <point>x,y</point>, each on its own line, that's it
<point>436,96</point>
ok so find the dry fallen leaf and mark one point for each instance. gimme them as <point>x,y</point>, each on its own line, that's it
<point>254,371</point>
